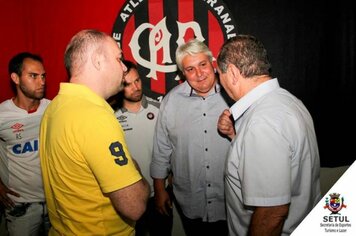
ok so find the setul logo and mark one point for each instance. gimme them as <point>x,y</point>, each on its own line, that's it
<point>149,32</point>
<point>335,204</point>
<point>335,222</point>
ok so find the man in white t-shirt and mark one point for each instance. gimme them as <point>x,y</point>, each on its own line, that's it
<point>137,115</point>
<point>21,188</point>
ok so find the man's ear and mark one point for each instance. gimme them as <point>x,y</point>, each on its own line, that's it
<point>96,60</point>
<point>235,73</point>
<point>15,78</point>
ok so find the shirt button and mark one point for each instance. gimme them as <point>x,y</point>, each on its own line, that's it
<point>206,149</point>
<point>209,202</point>
<point>207,167</point>
<point>204,114</point>
<point>209,185</point>
<point>205,131</point>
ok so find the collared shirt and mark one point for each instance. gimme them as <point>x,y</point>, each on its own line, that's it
<point>273,159</point>
<point>139,130</point>
<point>84,155</point>
<point>187,142</point>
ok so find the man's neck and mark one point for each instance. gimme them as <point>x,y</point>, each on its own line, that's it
<point>28,104</point>
<point>132,106</point>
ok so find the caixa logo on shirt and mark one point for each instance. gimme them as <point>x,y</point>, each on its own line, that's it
<point>30,146</point>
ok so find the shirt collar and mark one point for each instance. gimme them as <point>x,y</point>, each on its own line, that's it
<point>246,101</point>
<point>85,92</point>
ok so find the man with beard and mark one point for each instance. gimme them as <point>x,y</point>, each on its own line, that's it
<point>137,115</point>
<point>21,188</point>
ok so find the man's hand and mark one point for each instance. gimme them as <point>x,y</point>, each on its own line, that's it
<point>226,125</point>
<point>162,200</point>
<point>4,199</point>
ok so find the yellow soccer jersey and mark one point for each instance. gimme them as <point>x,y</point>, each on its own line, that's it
<point>83,155</point>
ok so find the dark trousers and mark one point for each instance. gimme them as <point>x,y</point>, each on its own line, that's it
<point>154,223</point>
<point>195,227</point>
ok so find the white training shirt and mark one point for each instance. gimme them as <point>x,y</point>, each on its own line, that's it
<point>139,130</point>
<point>19,156</point>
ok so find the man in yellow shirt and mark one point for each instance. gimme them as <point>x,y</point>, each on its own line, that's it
<point>91,182</point>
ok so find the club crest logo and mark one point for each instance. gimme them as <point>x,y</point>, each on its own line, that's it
<point>149,33</point>
<point>150,116</point>
<point>335,203</point>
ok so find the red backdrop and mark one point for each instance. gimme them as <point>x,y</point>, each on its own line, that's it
<point>311,47</point>
<point>45,27</point>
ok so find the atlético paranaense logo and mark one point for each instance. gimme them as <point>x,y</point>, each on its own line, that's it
<point>335,203</point>
<point>149,32</point>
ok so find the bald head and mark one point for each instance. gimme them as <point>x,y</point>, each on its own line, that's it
<point>77,51</point>
<point>93,59</point>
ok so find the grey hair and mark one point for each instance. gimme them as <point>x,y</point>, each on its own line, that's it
<point>192,47</point>
<point>247,54</point>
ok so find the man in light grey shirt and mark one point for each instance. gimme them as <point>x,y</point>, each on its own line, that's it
<point>272,171</point>
<point>187,143</point>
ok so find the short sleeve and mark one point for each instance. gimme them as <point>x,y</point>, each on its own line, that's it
<point>266,177</point>
<point>107,155</point>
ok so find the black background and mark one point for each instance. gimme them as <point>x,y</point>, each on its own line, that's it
<point>312,50</point>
